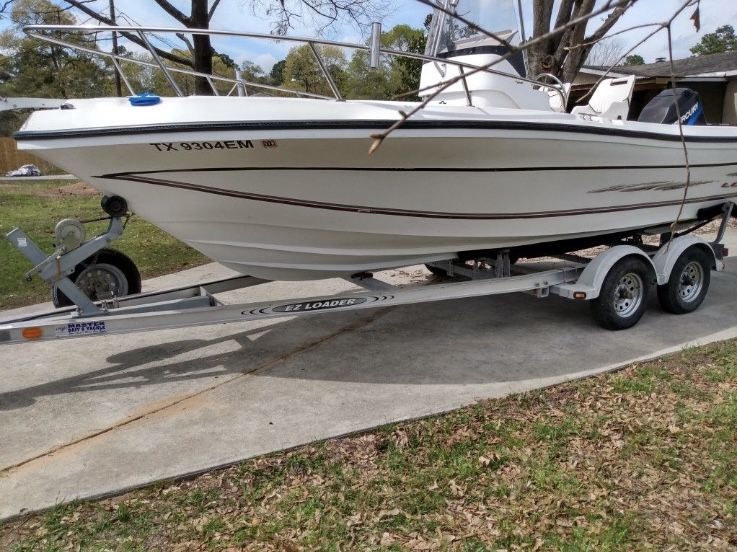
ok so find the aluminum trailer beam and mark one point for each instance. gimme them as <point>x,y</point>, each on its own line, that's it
<point>163,315</point>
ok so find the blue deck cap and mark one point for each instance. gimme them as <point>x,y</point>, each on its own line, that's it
<point>144,99</point>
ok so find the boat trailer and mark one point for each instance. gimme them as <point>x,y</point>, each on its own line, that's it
<point>616,282</point>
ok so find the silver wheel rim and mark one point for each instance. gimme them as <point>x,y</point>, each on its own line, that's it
<point>628,294</point>
<point>691,282</point>
<point>102,281</point>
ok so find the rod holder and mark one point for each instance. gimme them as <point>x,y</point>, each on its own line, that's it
<point>375,51</point>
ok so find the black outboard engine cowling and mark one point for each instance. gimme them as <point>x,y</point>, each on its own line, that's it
<point>661,109</point>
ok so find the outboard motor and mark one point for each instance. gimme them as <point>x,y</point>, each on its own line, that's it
<point>661,109</point>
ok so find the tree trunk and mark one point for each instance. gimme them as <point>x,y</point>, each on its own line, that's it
<point>565,52</point>
<point>537,56</point>
<point>202,48</point>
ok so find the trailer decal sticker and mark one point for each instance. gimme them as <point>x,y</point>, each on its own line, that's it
<point>317,305</point>
<point>320,305</point>
<point>198,146</point>
<point>75,329</point>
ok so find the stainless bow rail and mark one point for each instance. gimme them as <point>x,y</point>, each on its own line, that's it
<point>47,33</point>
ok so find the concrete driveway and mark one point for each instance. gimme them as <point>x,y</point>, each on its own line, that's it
<point>90,417</point>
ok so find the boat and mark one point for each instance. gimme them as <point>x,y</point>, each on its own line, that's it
<point>283,188</point>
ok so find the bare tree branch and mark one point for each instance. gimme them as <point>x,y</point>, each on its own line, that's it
<point>5,6</point>
<point>174,12</point>
<point>187,41</point>
<point>212,9</point>
<point>80,5</point>
<point>558,53</point>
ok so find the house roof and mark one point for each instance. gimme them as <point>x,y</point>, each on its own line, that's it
<point>711,65</point>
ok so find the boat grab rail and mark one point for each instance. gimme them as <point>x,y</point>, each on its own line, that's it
<point>374,48</point>
<point>557,85</point>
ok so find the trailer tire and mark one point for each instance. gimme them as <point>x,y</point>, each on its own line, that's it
<point>114,267</point>
<point>688,283</point>
<point>624,294</point>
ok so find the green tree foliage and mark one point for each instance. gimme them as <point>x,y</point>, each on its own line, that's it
<point>634,59</point>
<point>302,72</point>
<point>276,76</point>
<point>406,39</point>
<point>721,40</point>
<point>395,75</point>
<point>250,72</point>
<point>33,68</point>
<point>227,60</point>
<point>153,80</point>
<point>39,69</point>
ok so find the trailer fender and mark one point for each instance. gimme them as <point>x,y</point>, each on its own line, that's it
<point>666,257</point>
<point>588,285</point>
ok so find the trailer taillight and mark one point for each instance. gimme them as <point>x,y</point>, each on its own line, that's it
<point>34,332</point>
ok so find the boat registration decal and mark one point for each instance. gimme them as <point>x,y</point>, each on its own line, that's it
<point>320,304</point>
<point>199,146</point>
<point>74,329</point>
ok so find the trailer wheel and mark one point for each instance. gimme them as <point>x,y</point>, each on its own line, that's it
<point>624,294</point>
<point>106,274</point>
<point>688,283</point>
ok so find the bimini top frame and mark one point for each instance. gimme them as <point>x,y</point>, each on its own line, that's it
<point>47,34</point>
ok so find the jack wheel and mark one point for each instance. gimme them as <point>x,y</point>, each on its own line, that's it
<point>624,294</point>
<point>688,283</point>
<point>106,274</point>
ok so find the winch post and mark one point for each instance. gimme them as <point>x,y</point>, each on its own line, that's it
<point>54,269</point>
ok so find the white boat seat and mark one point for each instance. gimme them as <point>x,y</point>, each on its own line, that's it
<point>611,100</point>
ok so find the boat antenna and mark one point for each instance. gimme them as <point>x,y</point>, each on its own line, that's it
<point>522,33</point>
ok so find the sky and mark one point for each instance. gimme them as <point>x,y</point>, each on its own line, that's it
<point>239,15</point>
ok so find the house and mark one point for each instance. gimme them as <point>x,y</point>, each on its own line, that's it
<point>713,76</point>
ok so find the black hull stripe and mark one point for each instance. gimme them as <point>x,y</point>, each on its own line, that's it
<point>405,212</point>
<point>426,169</point>
<point>370,125</point>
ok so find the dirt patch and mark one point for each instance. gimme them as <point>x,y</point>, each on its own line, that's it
<point>76,189</point>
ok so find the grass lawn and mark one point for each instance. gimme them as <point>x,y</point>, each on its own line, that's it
<point>36,207</point>
<point>641,459</point>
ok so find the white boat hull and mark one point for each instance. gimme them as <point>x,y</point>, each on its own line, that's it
<point>304,200</point>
